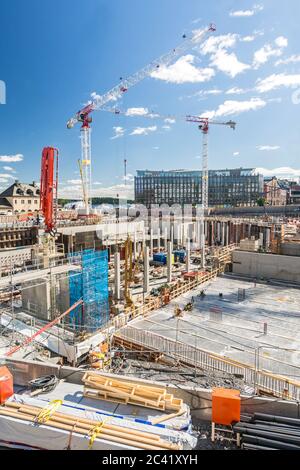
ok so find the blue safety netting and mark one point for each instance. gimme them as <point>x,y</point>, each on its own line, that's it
<point>90,284</point>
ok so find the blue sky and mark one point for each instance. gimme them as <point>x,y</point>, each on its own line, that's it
<point>54,54</point>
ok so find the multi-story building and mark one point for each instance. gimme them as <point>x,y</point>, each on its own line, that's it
<point>21,197</point>
<point>275,192</point>
<point>234,187</point>
<point>294,196</point>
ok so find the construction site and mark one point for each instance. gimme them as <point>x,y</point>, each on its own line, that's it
<point>164,332</point>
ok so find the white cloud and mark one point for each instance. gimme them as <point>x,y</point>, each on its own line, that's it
<point>220,58</point>
<point>247,38</point>
<point>275,100</point>
<point>143,130</point>
<point>293,59</point>
<point>268,148</point>
<point>281,172</point>
<point>196,21</point>
<point>167,128</point>
<point>125,191</point>
<point>281,41</point>
<point>198,156</point>
<point>96,183</point>
<point>170,120</point>
<point>201,93</point>
<point>128,177</point>
<point>246,13</point>
<point>235,154</point>
<point>215,43</point>
<point>137,112</point>
<point>231,107</point>
<point>261,56</point>
<point>277,81</point>
<point>251,37</point>
<point>228,63</point>
<point>6,175</point>
<point>8,168</point>
<point>119,132</point>
<point>97,98</point>
<point>11,158</point>
<point>214,91</point>
<point>183,71</point>
<point>236,91</point>
<point>155,148</point>
<point>76,182</point>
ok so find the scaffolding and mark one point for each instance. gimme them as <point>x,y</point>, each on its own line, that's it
<point>91,285</point>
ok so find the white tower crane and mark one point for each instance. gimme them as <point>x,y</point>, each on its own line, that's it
<point>204,124</point>
<point>115,93</point>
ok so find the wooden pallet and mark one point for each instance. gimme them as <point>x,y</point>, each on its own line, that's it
<point>129,392</point>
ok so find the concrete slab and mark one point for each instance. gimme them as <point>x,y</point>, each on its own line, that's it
<point>222,325</point>
<point>19,278</point>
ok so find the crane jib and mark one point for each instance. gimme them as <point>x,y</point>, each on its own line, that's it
<point>164,60</point>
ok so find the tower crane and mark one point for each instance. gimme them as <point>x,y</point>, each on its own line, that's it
<point>98,101</point>
<point>203,125</point>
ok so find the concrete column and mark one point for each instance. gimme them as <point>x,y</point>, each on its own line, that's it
<point>146,269</point>
<point>223,234</point>
<point>199,234</point>
<point>227,234</point>
<point>261,238</point>
<point>166,238</point>
<point>193,233</point>
<point>144,238</point>
<point>151,243</point>
<point>179,236</point>
<point>202,243</point>
<point>117,276</point>
<point>134,245</point>
<point>237,228</point>
<point>268,237</point>
<point>182,233</point>
<point>158,239</point>
<point>188,256</point>
<point>218,232</point>
<point>169,262</point>
<point>172,234</point>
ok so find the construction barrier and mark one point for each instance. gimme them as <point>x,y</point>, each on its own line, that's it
<point>275,385</point>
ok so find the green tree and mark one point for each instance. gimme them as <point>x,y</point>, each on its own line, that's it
<point>261,201</point>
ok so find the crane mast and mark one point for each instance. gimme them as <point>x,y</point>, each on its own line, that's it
<point>204,124</point>
<point>98,101</point>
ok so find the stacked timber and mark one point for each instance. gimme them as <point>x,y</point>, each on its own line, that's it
<point>90,429</point>
<point>129,392</point>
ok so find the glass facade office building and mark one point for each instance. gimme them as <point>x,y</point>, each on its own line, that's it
<point>235,187</point>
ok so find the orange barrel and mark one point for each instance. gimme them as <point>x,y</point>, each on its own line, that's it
<point>6,384</point>
<point>226,406</point>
